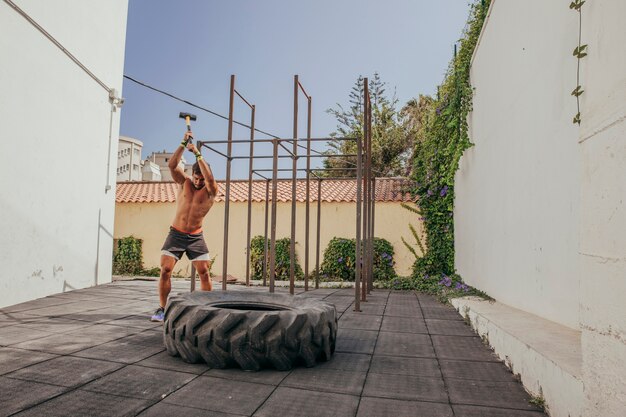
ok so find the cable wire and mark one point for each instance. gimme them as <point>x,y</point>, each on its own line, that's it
<point>196,106</point>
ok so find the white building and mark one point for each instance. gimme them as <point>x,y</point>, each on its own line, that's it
<point>57,216</point>
<point>129,159</point>
<point>540,210</point>
<point>162,158</point>
<point>150,171</point>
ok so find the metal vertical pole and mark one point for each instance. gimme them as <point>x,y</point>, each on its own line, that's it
<point>357,275</point>
<point>372,217</point>
<point>308,195</point>
<point>370,236</point>
<point>273,227</point>
<point>267,202</point>
<point>366,211</point>
<point>227,196</point>
<point>292,251</point>
<point>317,250</point>
<point>363,256</point>
<point>251,165</point>
<point>193,278</point>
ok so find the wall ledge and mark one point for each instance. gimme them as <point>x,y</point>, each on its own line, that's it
<point>545,354</point>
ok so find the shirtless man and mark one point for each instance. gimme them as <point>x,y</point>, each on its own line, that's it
<point>196,195</point>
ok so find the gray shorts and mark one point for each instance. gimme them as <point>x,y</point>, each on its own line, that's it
<point>178,243</point>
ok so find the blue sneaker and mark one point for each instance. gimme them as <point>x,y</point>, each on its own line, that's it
<point>158,315</point>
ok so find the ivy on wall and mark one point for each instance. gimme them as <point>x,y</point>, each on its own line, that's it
<point>579,52</point>
<point>437,155</point>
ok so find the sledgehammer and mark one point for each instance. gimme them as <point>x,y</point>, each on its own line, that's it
<point>188,118</point>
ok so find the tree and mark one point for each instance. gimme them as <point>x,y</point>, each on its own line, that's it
<point>392,142</point>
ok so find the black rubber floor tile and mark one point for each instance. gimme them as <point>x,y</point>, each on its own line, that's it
<point>68,308</point>
<point>62,343</point>
<point>163,360</point>
<point>403,325</point>
<point>380,407</point>
<point>135,320</point>
<point>403,311</point>
<point>462,348</point>
<point>35,304</point>
<point>397,365</point>
<point>474,411</point>
<point>405,387</point>
<point>12,335</point>
<point>441,313</point>
<point>105,331</point>
<point>17,395</point>
<point>357,362</point>
<point>360,321</point>
<point>294,402</point>
<point>376,309</point>
<point>140,382</point>
<point>404,344</point>
<point>264,376</point>
<point>66,371</point>
<point>119,351</point>
<point>328,380</point>
<point>168,410</point>
<point>87,404</point>
<point>56,324</point>
<point>449,327</point>
<point>221,395</point>
<point>483,371</point>
<point>14,359</point>
<point>356,341</point>
<point>489,393</point>
<point>150,337</point>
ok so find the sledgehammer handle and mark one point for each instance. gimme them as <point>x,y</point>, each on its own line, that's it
<point>188,121</point>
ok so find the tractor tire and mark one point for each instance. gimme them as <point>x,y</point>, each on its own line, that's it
<point>249,329</point>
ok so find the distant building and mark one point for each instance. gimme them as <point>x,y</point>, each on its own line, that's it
<point>161,159</point>
<point>150,171</point>
<point>129,159</point>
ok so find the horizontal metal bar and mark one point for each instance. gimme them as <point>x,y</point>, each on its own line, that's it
<point>286,156</point>
<point>202,142</point>
<point>216,151</point>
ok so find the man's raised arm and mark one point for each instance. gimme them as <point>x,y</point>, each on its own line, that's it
<point>174,163</point>
<point>209,179</point>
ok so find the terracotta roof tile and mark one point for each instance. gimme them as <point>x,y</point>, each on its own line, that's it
<point>387,190</point>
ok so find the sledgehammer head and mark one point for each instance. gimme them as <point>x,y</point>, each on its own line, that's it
<point>187,115</point>
<point>188,118</point>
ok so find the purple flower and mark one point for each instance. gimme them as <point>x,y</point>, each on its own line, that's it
<point>444,191</point>
<point>458,286</point>
<point>430,192</point>
<point>446,281</point>
<point>340,260</point>
<point>422,218</point>
<point>426,276</point>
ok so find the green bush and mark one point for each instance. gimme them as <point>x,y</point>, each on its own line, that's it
<point>283,260</point>
<point>127,256</point>
<point>339,255</point>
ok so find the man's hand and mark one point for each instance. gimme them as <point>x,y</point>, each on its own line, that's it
<point>188,137</point>
<point>191,147</point>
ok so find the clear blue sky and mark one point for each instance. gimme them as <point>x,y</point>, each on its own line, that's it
<point>190,48</point>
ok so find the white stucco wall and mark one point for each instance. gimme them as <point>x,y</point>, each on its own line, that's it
<point>602,244</point>
<point>517,191</point>
<point>57,219</point>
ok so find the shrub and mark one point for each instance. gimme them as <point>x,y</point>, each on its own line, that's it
<point>339,258</point>
<point>283,260</point>
<point>127,256</point>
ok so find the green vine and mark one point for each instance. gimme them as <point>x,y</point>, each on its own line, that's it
<point>579,52</point>
<point>443,139</point>
<point>283,259</point>
<point>128,256</point>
